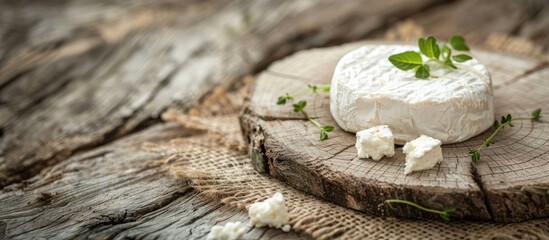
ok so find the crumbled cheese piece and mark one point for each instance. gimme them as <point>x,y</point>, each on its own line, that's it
<point>367,91</point>
<point>422,153</point>
<point>272,212</point>
<point>231,231</point>
<point>375,142</point>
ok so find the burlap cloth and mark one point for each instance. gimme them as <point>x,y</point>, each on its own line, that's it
<point>216,164</point>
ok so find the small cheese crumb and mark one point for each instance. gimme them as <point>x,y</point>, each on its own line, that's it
<point>422,153</point>
<point>231,231</point>
<point>375,142</point>
<point>272,212</point>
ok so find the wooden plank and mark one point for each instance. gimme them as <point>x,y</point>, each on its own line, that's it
<point>116,191</point>
<point>134,72</point>
<point>516,166</point>
<point>475,19</point>
<point>537,28</point>
<point>282,144</point>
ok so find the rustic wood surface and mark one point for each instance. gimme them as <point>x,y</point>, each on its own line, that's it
<point>80,80</point>
<point>286,146</point>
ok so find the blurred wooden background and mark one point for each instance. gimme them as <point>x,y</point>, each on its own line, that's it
<point>82,85</point>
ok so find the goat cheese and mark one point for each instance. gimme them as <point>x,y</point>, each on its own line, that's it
<point>422,153</point>
<point>367,91</point>
<point>375,142</point>
<point>231,231</point>
<point>272,212</point>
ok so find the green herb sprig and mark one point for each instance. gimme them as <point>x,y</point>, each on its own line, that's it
<point>498,126</point>
<point>441,54</point>
<point>300,107</point>
<point>310,89</point>
<point>444,214</point>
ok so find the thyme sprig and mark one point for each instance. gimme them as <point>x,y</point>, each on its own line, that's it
<point>310,89</point>
<point>300,106</point>
<point>498,126</point>
<point>444,214</point>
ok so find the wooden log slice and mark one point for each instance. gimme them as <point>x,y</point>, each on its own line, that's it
<point>509,183</point>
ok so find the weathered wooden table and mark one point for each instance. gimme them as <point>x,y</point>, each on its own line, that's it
<point>82,85</point>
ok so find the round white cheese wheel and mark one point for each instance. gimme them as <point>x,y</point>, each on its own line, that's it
<point>367,91</point>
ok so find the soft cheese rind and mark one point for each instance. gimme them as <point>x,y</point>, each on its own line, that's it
<point>375,142</point>
<point>422,153</point>
<point>367,91</point>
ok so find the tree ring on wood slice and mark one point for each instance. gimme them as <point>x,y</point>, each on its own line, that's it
<point>509,184</point>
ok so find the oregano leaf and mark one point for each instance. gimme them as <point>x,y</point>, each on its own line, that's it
<point>406,60</point>
<point>462,58</point>
<point>423,71</point>
<point>429,47</point>
<point>458,43</point>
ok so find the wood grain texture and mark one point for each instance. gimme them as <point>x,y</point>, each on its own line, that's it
<point>286,146</point>
<point>477,19</point>
<point>103,76</point>
<point>117,191</point>
<point>516,166</point>
<point>78,75</point>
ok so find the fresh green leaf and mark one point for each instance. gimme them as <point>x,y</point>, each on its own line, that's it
<point>496,124</point>
<point>475,155</point>
<point>423,71</point>
<point>462,58</point>
<point>421,43</point>
<point>432,44</point>
<point>298,107</point>
<point>450,209</point>
<point>422,46</point>
<point>429,47</point>
<point>488,142</point>
<point>328,128</point>
<point>406,60</point>
<point>313,87</point>
<point>536,114</point>
<point>445,216</point>
<point>323,134</point>
<point>458,43</point>
<point>282,99</point>
<point>326,89</point>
